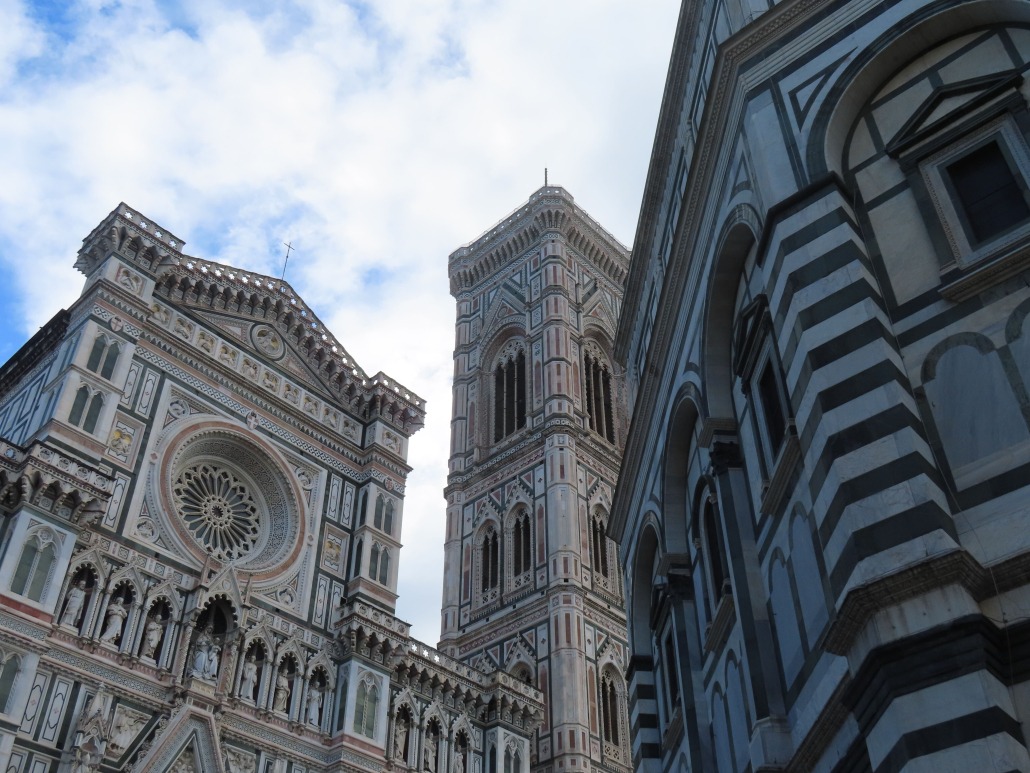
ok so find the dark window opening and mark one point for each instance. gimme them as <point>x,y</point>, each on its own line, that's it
<point>772,406</point>
<point>991,197</point>
<point>599,398</point>
<point>510,396</point>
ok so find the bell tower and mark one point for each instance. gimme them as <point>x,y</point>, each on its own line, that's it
<point>531,579</point>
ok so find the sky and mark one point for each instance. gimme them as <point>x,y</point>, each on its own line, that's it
<point>374,137</point>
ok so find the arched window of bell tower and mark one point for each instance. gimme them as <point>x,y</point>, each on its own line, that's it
<point>509,390</point>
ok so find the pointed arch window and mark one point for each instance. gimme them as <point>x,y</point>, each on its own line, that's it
<point>512,760</point>
<point>103,357</point>
<point>383,519</point>
<point>612,711</point>
<point>598,392</point>
<point>365,708</point>
<point>35,568</point>
<point>86,408</point>
<point>509,393</point>
<point>356,569</point>
<point>521,542</point>
<point>598,545</point>
<point>489,564</point>
<point>362,506</point>
<point>379,564</point>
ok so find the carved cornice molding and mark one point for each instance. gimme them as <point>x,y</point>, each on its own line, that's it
<point>549,211</point>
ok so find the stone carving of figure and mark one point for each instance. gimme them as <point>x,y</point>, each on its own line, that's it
<point>400,737</point>
<point>116,613</point>
<point>73,607</point>
<point>314,704</point>
<point>429,753</point>
<point>126,727</point>
<point>249,680</point>
<point>211,668</point>
<point>459,762</point>
<point>200,655</point>
<point>282,693</point>
<point>238,762</point>
<point>152,636</point>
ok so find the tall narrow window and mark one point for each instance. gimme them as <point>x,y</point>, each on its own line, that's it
<point>362,506</point>
<point>79,406</point>
<point>380,506</point>
<point>8,676</point>
<point>521,545</point>
<point>714,550</point>
<point>609,711</point>
<point>509,393</point>
<point>34,570</point>
<point>384,567</point>
<point>489,563</point>
<point>373,562</point>
<point>109,361</point>
<point>598,546</point>
<point>672,679</point>
<point>772,406</point>
<point>388,518</point>
<point>598,394</point>
<point>93,414</point>
<point>96,354</point>
<point>356,569</point>
<point>365,708</point>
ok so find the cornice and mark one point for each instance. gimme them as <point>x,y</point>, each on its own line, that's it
<point>550,210</point>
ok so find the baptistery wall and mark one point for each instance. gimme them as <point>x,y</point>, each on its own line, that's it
<point>822,501</point>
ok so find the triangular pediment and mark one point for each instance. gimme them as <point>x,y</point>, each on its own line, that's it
<point>223,584</point>
<point>600,311</point>
<point>188,744</point>
<point>948,105</point>
<point>504,307</point>
<point>262,343</point>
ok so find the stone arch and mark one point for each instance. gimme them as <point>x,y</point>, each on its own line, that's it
<point>679,440</point>
<point>736,241</point>
<point>647,554</point>
<point>878,60</point>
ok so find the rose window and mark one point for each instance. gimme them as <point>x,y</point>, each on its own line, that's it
<point>218,509</point>
<point>230,500</point>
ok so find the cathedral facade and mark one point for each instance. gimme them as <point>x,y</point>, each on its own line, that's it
<point>532,585</point>
<point>822,506</point>
<point>202,500</point>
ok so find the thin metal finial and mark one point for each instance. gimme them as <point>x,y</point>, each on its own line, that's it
<point>545,176</point>
<point>288,248</point>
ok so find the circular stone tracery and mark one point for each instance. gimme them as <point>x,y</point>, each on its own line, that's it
<point>218,509</point>
<point>228,498</point>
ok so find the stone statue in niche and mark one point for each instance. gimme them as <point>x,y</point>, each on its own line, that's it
<point>74,604</point>
<point>400,737</point>
<point>211,670</point>
<point>282,692</point>
<point>152,636</point>
<point>116,614</point>
<point>314,703</point>
<point>249,680</point>
<point>205,641</point>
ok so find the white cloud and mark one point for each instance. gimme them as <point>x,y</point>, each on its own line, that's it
<point>376,137</point>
